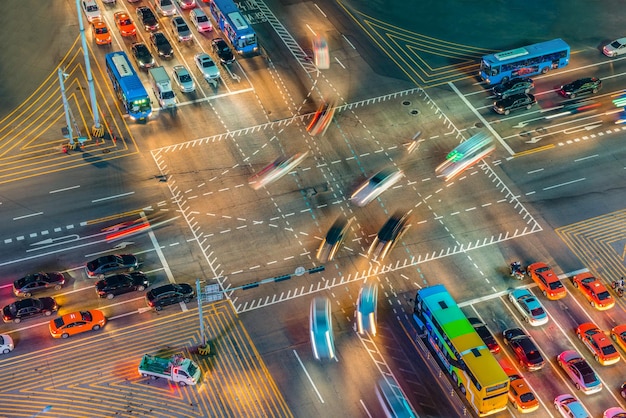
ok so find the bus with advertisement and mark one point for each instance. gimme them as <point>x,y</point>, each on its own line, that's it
<point>127,85</point>
<point>234,25</point>
<point>460,350</point>
<point>524,62</point>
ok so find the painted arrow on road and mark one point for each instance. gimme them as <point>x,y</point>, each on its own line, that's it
<point>581,128</point>
<point>64,239</point>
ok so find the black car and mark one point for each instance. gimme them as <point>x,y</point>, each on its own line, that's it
<point>169,294</point>
<point>221,48</point>
<point>524,349</point>
<point>121,283</point>
<point>27,285</point>
<point>514,102</point>
<point>26,308</point>
<point>142,55</point>
<point>334,238</point>
<point>111,264</point>
<point>581,86</point>
<point>147,18</point>
<point>391,232</point>
<point>513,86</point>
<point>161,45</point>
<point>485,335</point>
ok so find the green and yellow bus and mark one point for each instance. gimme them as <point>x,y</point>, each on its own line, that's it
<point>462,353</point>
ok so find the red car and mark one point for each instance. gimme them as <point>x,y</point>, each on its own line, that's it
<point>598,343</point>
<point>548,282</point>
<point>595,292</point>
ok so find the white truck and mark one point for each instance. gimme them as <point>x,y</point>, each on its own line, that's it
<point>162,87</point>
<point>177,368</point>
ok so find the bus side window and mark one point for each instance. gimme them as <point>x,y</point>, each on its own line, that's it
<point>494,71</point>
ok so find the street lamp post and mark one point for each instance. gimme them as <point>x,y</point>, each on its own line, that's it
<point>66,107</point>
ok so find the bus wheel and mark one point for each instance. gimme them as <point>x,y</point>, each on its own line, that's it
<point>504,80</point>
<point>572,96</point>
<point>545,70</point>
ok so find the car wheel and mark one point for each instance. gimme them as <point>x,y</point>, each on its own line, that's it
<point>507,111</point>
<point>577,386</point>
<point>529,106</point>
<point>6,351</point>
<point>27,294</point>
<point>110,296</point>
<point>65,335</point>
<point>47,313</point>
<point>140,288</point>
<point>95,327</point>
<point>17,320</point>
<point>572,96</point>
<point>594,91</point>
<point>575,283</point>
<point>545,70</point>
<point>526,319</point>
<point>158,308</point>
<point>580,337</point>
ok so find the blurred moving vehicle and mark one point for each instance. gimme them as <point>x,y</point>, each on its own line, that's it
<point>465,155</point>
<point>76,323</point>
<point>529,306</point>
<point>514,102</point>
<point>321,119</point>
<point>484,334</point>
<point>513,86</point>
<point>615,48</point>
<point>100,32</point>
<point>335,236</point>
<point>183,79</point>
<point>321,56</point>
<point>570,407</point>
<point>169,294</point>
<point>598,343</point>
<point>6,344</point>
<point>376,185</point>
<point>521,397</point>
<point>38,282</point>
<point>321,326</point>
<point>524,348</point>
<point>392,400</point>
<point>29,307</point>
<point>593,289</point>
<point>110,264</point>
<point>581,86</point>
<point>548,282</point>
<point>118,284</point>
<point>367,309</point>
<point>579,371</point>
<point>277,169</point>
<point>221,48</point>
<point>392,231</point>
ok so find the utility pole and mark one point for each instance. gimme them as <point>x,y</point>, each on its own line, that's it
<point>97,130</point>
<point>66,107</point>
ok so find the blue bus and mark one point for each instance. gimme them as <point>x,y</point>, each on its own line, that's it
<point>524,62</point>
<point>128,86</point>
<point>234,26</point>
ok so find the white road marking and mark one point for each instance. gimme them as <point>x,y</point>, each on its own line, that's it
<point>308,376</point>
<point>27,216</point>
<point>112,197</point>
<point>64,189</point>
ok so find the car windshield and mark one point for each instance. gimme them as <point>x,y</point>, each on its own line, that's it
<point>208,63</point>
<point>184,78</point>
<point>609,349</point>
<point>86,315</point>
<point>58,322</point>
<point>616,44</point>
<point>537,312</point>
<point>604,295</point>
<point>527,397</point>
<point>542,269</point>
<point>101,31</point>
<point>556,285</point>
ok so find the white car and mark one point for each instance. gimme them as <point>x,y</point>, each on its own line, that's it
<point>570,407</point>
<point>321,323</point>
<point>91,10</point>
<point>529,306</point>
<point>183,79</point>
<point>165,7</point>
<point>200,20</point>
<point>277,169</point>
<point>615,48</point>
<point>187,4</point>
<point>6,344</point>
<point>375,185</point>
<point>207,66</point>
<point>367,309</point>
<point>320,53</point>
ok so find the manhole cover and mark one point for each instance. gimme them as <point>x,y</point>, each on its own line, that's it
<point>414,112</point>
<point>479,125</point>
<point>406,103</point>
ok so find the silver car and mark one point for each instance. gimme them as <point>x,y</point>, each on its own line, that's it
<point>321,323</point>
<point>207,66</point>
<point>579,371</point>
<point>6,344</point>
<point>375,186</point>
<point>367,309</point>
<point>200,20</point>
<point>180,29</point>
<point>615,48</point>
<point>182,77</point>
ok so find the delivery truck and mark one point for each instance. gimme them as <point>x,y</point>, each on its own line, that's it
<point>162,87</point>
<point>177,368</point>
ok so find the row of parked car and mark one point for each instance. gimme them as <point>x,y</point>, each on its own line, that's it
<point>115,274</point>
<point>515,93</point>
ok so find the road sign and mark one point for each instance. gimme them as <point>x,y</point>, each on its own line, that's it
<point>212,293</point>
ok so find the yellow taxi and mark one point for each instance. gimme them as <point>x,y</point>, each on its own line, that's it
<point>520,395</point>
<point>76,322</point>
<point>595,292</point>
<point>101,32</point>
<point>618,334</point>
<point>598,343</point>
<point>125,24</point>
<point>548,282</point>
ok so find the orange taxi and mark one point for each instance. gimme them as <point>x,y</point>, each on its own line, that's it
<point>125,24</point>
<point>101,32</point>
<point>548,282</point>
<point>76,322</point>
<point>598,343</point>
<point>520,395</point>
<point>595,292</point>
<point>618,334</point>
